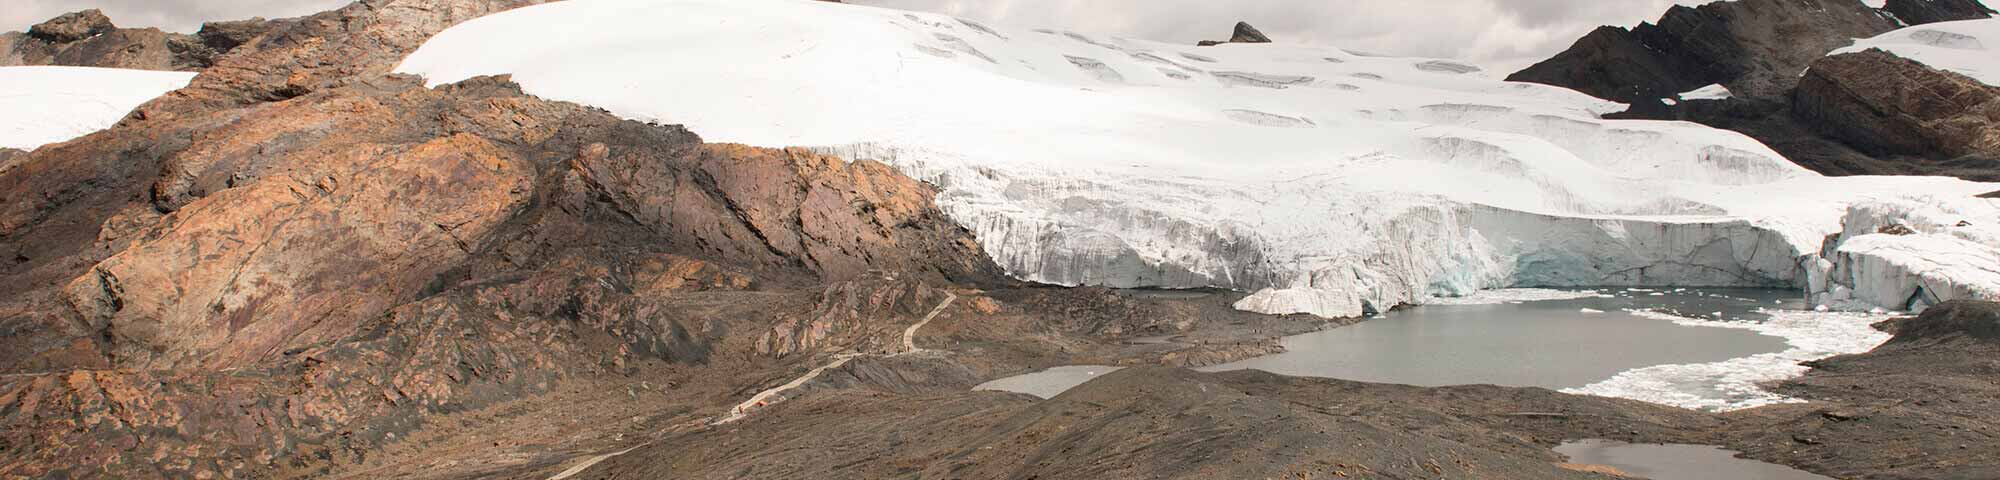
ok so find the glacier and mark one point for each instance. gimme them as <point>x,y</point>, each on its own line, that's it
<point>1319,180</point>
<point>46,105</point>
<point>1966,47</point>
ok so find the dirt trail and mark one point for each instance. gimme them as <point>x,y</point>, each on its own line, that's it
<point>910,334</point>
<point>763,399</point>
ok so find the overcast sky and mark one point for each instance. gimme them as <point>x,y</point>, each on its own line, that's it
<point>1493,31</point>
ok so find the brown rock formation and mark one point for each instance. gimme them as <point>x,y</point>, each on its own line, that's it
<point>1887,105</point>
<point>89,39</point>
<point>248,252</point>
<point>73,26</point>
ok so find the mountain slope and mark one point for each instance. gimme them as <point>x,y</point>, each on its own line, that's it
<point>1328,182</point>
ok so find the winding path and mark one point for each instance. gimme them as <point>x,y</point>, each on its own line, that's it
<point>742,410</point>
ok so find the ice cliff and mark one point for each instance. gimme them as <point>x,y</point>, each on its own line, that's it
<point>1323,181</point>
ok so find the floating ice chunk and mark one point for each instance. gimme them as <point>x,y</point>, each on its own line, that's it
<point>1510,295</point>
<point>1734,384</point>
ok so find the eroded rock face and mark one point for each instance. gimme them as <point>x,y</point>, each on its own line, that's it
<point>89,39</point>
<point>1886,105</point>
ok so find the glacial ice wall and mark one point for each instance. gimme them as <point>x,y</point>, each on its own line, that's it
<point>1082,229</point>
<point>1908,255</point>
<point>1320,180</point>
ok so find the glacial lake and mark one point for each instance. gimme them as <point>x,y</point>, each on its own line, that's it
<point>1551,344</point>
<point>1521,338</point>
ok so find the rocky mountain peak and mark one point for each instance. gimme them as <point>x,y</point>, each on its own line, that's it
<point>73,26</point>
<point>1248,34</point>
<point>1244,33</point>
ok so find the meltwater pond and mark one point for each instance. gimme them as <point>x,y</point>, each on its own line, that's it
<point>1694,348</point>
<point>1551,344</point>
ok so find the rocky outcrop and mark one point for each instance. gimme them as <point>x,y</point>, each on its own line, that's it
<point>299,258</point>
<point>1244,33</point>
<point>1757,49</point>
<point>89,39</point>
<point>73,26</point>
<point>1885,105</point>
<point>226,36</point>
<point>1919,12</point>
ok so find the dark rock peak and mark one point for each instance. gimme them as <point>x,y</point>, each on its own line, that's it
<point>1755,47</point>
<point>1244,33</point>
<point>73,26</point>
<point>1919,12</point>
<point>1248,34</point>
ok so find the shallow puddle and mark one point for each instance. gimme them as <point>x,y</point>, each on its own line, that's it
<point>1677,462</point>
<point>1048,383</point>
